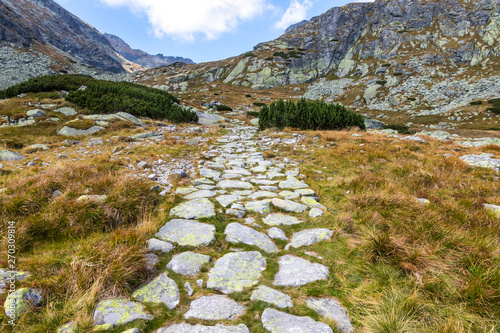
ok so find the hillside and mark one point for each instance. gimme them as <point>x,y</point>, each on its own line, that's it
<point>140,57</point>
<point>424,58</point>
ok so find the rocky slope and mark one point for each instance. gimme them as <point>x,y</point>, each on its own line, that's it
<point>140,57</point>
<point>388,55</point>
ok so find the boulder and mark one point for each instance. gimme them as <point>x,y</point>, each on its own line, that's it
<point>161,290</point>
<point>194,209</point>
<point>272,296</point>
<point>279,322</point>
<point>7,156</point>
<point>237,233</point>
<point>118,311</point>
<point>216,307</point>
<point>295,271</point>
<point>187,233</point>
<point>188,263</point>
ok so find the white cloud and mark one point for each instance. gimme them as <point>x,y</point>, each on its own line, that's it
<point>295,13</point>
<point>186,19</point>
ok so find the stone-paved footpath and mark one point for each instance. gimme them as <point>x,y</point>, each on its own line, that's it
<point>237,176</point>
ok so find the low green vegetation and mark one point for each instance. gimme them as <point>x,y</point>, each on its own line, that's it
<point>381,82</point>
<point>253,113</point>
<point>476,103</point>
<point>307,114</point>
<point>100,96</point>
<point>402,129</point>
<point>259,104</point>
<point>222,107</point>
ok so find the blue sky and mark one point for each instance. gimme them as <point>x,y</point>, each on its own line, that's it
<point>203,30</point>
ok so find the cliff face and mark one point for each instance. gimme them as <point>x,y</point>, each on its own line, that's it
<point>35,23</point>
<point>140,57</point>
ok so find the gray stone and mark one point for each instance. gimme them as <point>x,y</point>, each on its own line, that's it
<point>226,200</point>
<point>288,205</point>
<point>312,203</point>
<point>7,156</point>
<point>236,271</point>
<point>493,208</point>
<point>279,322</point>
<point>330,308</point>
<point>151,261</point>
<point>188,263</point>
<point>315,212</point>
<point>187,328</point>
<point>185,190</point>
<point>209,173</point>
<point>187,233</point>
<point>269,295</point>
<point>373,124</point>
<point>143,136</point>
<point>143,165</point>
<point>414,138</point>
<point>159,245</point>
<point>216,307</point>
<point>295,271</point>
<point>22,301</point>
<point>194,209</point>
<point>68,131</point>
<point>118,311</point>
<point>308,237</point>
<point>188,288</point>
<point>306,192</point>
<point>68,328</point>
<point>161,290</point>
<point>292,183</point>
<point>67,111</point>
<point>131,118</point>
<point>237,233</point>
<point>261,207</point>
<point>262,194</point>
<point>289,195</point>
<point>200,194</point>
<point>36,113</point>
<point>234,184</point>
<point>277,233</point>
<point>482,160</point>
<point>281,219</point>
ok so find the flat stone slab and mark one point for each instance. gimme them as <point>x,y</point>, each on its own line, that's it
<point>281,219</point>
<point>209,173</point>
<point>288,205</point>
<point>187,233</point>
<point>272,296</point>
<point>194,209</point>
<point>188,263</point>
<point>234,184</point>
<point>187,328</point>
<point>295,271</point>
<point>118,311</point>
<point>312,203</point>
<point>217,307</point>
<point>67,111</point>
<point>262,194</point>
<point>493,208</point>
<point>306,192</point>
<point>200,194</point>
<point>277,233</point>
<point>159,245</point>
<point>289,195</point>
<point>236,271</point>
<point>482,160</point>
<point>161,290</point>
<point>8,156</point>
<point>69,131</point>
<point>332,309</point>
<point>309,237</point>
<point>227,199</point>
<point>237,233</point>
<point>315,212</point>
<point>261,207</point>
<point>279,322</point>
<point>292,183</point>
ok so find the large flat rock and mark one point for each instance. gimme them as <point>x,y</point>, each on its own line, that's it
<point>7,156</point>
<point>236,271</point>
<point>261,207</point>
<point>309,237</point>
<point>118,311</point>
<point>292,183</point>
<point>288,205</point>
<point>194,209</point>
<point>281,219</point>
<point>272,296</point>
<point>279,322</point>
<point>187,233</point>
<point>161,290</point>
<point>69,131</point>
<point>332,309</point>
<point>295,271</point>
<point>187,328</point>
<point>237,233</point>
<point>234,184</point>
<point>216,307</point>
<point>188,263</point>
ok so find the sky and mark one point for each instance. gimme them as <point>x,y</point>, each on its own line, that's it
<point>203,30</point>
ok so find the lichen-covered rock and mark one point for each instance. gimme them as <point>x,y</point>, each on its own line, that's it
<point>217,307</point>
<point>261,207</point>
<point>237,233</point>
<point>227,199</point>
<point>36,113</point>
<point>21,301</point>
<point>289,195</point>
<point>234,184</point>
<point>262,194</point>
<point>69,131</point>
<point>295,271</point>
<point>494,209</point>
<point>161,290</point>
<point>482,160</point>
<point>187,233</point>
<point>236,271</point>
<point>330,308</point>
<point>279,322</point>
<point>277,233</point>
<point>95,198</point>
<point>281,219</point>
<point>209,173</point>
<point>308,237</point>
<point>194,209</point>
<point>68,328</point>
<point>188,263</point>
<point>312,203</point>
<point>6,156</point>
<point>118,311</point>
<point>67,111</point>
<point>315,212</point>
<point>200,194</point>
<point>187,328</point>
<point>292,183</point>
<point>288,205</point>
<point>272,296</point>
<point>159,245</point>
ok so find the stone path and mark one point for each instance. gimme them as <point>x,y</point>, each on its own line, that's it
<point>237,181</point>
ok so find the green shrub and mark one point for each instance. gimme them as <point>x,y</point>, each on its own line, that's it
<point>259,104</point>
<point>386,65</point>
<point>402,129</point>
<point>398,74</point>
<point>494,101</point>
<point>247,95</point>
<point>381,82</point>
<point>476,102</point>
<point>307,114</point>
<point>495,109</point>
<point>281,54</point>
<point>269,58</point>
<point>249,54</point>
<point>412,99</point>
<point>108,97</point>
<point>253,113</point>
<point>222,107</point>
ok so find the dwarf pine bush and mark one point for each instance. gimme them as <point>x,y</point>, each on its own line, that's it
<point>305,114</point>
